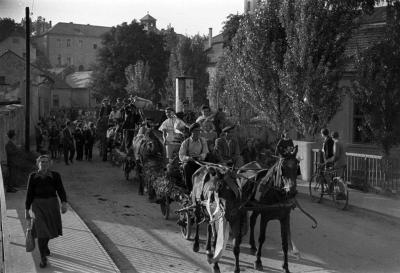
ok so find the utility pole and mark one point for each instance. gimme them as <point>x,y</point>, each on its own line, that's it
<point>28,79</point>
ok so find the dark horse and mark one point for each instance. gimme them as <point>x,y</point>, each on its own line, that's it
<point>276,189</point>
<point>275,200</point>
<point>149,157</point>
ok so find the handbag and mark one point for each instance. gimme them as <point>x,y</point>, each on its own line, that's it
<point>29,239</point>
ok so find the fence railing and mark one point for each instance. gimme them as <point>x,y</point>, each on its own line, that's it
<point>369,171</point>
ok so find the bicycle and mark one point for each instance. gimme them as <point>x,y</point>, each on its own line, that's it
<point>324,182</point>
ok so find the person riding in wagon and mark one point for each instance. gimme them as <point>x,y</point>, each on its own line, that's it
<point>193,148</point>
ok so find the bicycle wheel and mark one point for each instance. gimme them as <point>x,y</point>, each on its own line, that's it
<point>340,194</point>
<point>316,188</point>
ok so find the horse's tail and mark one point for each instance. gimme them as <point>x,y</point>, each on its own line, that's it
<point>306,213</point>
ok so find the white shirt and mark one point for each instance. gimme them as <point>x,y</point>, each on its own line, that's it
<point>172,126</point>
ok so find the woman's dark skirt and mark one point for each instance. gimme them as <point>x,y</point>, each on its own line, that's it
<point>47,218</point>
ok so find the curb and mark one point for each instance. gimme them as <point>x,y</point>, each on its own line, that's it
<point>363,212</point>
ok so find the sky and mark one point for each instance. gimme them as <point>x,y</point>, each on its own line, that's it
<point>188,17</point>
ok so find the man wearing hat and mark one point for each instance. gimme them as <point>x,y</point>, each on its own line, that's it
<point>171,132</point>
<point>192,148</point>
<point>227,148</point>
<point>105,109</point>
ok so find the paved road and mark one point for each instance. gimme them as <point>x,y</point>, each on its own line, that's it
<point>139,240</point>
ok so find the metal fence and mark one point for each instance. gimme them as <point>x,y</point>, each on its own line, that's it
<point>369,171</point>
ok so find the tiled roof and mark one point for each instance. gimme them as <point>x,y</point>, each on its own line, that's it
<point>379,16</point>
<point>148,17</point>
<point>371,31</point>
<point>57,82</point>
<point>78,30</point>
<point>79,79</point>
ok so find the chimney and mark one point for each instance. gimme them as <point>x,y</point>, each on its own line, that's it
<point>210,37</point>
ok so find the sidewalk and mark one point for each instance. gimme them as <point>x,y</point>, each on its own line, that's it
<point>77,250</point>
<point>381,205</point>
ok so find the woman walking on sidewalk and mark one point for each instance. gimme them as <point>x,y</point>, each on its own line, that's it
<point>43,188</point>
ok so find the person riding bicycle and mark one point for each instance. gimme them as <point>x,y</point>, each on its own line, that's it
<point>193,148</point>
<point>338,159</point>
<point>327,148</point>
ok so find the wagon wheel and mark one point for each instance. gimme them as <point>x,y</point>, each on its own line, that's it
<point>165,207</point>
<point>340,195</point>
<point>316,188</point>
<point>186,226</point>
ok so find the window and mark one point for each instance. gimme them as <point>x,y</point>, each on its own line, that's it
<point>59,43</point>
<point>359,130</point>
<point>69,60</point>
<point>2,79</point>
<point>95,46</point>
<point>59,59</point>
<point>80,43</point>
<point>56,101</point>
<point>248,6</point>
<point>81,68</point>
<point>68,42</point>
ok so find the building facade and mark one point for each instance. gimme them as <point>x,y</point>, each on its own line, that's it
<point>69,44</point>
<point>16,42</point>
<point>12,73</point>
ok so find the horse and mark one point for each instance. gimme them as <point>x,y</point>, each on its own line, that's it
<point>269,192</point>
<point>217,184</point>
<point>148,152</point>
<point>274,198</point>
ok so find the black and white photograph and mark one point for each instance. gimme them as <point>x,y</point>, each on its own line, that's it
<point>196,136</point>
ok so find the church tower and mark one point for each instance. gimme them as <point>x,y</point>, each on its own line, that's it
<point>149,22</point>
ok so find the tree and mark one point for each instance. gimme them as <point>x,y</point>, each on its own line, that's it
<point>376,89</point>
<point>253,64</point>
<point>8,26</point>
<point>188,58</point>
<point>122,46</point>
<point>139,82</point>
<point>231,25</point>
<point>317,32</point>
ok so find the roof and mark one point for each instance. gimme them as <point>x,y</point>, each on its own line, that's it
<point>57,82</point>
<point>378,16</point>
<point>80,79</point>
<point>148,17</point>
<point>77,30</point>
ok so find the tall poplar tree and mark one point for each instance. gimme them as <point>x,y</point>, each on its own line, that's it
<point>317,32</point>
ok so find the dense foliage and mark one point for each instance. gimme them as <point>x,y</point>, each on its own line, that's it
<point>188,58</point>
<point>125,45</point>
<point>376,89</point>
